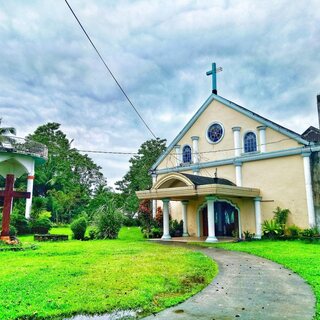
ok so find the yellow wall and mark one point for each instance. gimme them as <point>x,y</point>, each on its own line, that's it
<point>230,118</point>
<point>280,180</point>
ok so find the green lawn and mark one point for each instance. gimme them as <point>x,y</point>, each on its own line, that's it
<point>64,278</point>
<point>303,258</point>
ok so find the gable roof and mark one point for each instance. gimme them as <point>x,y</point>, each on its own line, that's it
<point>312,134</point>
<point>264,121</point>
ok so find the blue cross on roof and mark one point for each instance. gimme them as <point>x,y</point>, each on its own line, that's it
<point>213,72</point>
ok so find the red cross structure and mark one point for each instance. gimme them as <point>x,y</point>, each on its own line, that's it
<point>9,194</point>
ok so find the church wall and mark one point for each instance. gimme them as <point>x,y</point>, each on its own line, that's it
<point>230,118</point>
<point>281,182</point>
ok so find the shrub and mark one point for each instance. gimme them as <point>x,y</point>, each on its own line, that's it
<point>176,228</point>
<point>281,216</point>
<point>79,227</point>
<point>92,234</point>
<point>310,233</point>
<point>145,218</point>
<point>293,232</point>
<point>129,221</point>
<point>108,221</point>
<point>41,225</point>
<point>271,229</point>
<point>20,222</point>
<point>155,232</point>
<point>12,231</point>
<point>248,236</point>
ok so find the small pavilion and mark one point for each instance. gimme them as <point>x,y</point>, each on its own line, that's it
<point>17,157</point>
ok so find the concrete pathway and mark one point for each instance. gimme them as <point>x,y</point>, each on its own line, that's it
<point>247,287</point>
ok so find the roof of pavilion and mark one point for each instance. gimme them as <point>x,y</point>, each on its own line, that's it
<point>182,186</point>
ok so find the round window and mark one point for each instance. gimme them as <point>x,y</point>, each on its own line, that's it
<point>215,132</point>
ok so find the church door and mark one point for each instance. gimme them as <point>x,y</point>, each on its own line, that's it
<point>226,220</point>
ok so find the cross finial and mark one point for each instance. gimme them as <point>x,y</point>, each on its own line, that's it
<point>213,72</point>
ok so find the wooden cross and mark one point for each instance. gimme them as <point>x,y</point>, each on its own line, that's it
<point>8,194</point>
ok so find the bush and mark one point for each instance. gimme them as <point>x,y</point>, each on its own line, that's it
<point>78,228</point>
<point>248,236</point>
<point>41,225</point>
<point>271,229</point>
<point>155,233</point>
<point>108,221</point>
<point>281,217</point>
<point>20,222</point>
<point>293,232</point>
<point>92,234</point>
<point>310,233</point>
<point>176,228</point>
<point>145,218</point>
<point>12,231</point>
<point>129,221</point>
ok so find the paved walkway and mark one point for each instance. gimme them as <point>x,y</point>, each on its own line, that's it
<point>247,287</point>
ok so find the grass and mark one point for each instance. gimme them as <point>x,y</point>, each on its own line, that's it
<point>303,258</point>
<point>64,278</point>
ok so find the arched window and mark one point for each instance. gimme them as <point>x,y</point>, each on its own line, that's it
<point>186,154</point>
<point>250,142</point>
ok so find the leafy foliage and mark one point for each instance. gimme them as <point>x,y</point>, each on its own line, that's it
<point>145,218</point>
<point>65,184</point>
<point>108,221</point>
<point>79,227</point>
<point>138,177</point>
<point>41,225</point>
<point>248,236</point>
<point>293,232</point>
<point>271,229</point>
<point>281,216</point>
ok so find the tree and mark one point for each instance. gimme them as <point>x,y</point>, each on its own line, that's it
<point>68,179</point>
<point>138,176</point>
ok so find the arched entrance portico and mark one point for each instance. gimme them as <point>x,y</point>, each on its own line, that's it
<point>226,219</point>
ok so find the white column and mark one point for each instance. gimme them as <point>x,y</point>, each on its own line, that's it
<point>166,234</point>
<point>309,193</point>
<point>185,217</point>
<point>237,141</point>
<point>238,166</point>
<point>211,224</point>
<point>178,155</point>
<point>195,149</point>
<point>154,202</point>
<point>30,181</point>
<point>257,211</point>
<point>262,138</point>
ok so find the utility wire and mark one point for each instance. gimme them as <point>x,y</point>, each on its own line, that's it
<point>175,155</point>
<point>112,75</point>
<point>109,152</point>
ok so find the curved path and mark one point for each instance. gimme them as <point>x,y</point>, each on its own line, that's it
<point>247,287</point>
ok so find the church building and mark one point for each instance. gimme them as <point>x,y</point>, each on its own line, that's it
<point>229,168</point>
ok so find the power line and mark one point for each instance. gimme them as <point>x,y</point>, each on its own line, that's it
<point>175,155</point>
<point>109,152</point>
<point>112,75</point>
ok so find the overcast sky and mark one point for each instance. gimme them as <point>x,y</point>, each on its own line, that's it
<point>159,51</point>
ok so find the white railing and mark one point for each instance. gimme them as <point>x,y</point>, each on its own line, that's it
<point>24,146</point>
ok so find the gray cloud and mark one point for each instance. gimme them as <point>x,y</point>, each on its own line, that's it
<point>160,51</point>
